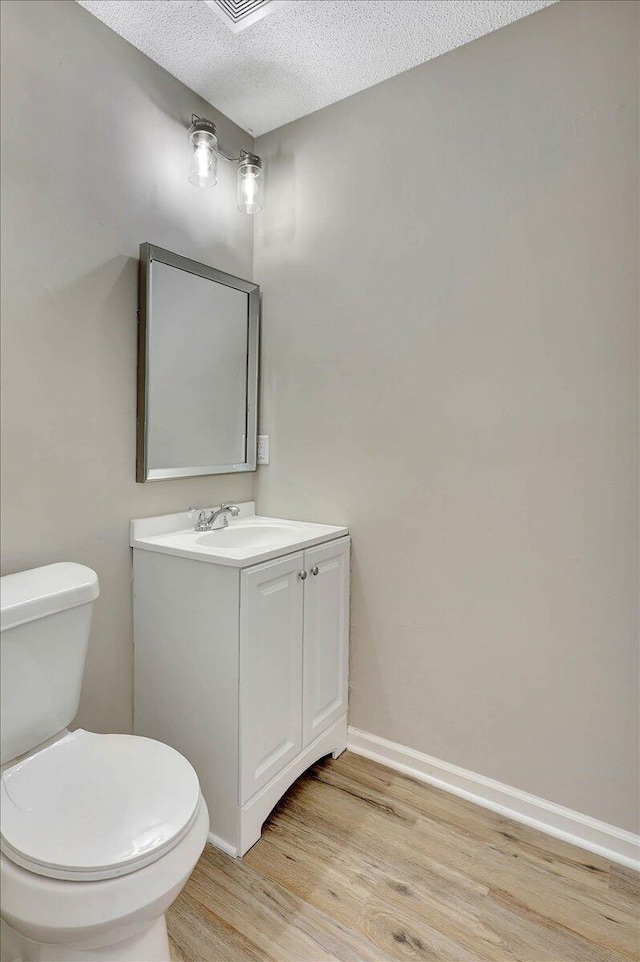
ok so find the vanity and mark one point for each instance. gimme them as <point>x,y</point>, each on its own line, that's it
<point>240,632</point>
<point>241,655</point>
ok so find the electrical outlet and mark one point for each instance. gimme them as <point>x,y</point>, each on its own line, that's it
<point>263,449</point>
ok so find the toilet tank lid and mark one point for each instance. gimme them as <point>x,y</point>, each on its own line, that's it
<point>29,595</point>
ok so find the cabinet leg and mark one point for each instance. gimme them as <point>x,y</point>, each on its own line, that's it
<point>337,752</point>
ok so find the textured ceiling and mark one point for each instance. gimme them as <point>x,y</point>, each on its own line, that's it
<point>303,56</point>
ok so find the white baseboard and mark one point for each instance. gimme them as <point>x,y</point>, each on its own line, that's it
<point>220,843</point>
<point>613,843</point>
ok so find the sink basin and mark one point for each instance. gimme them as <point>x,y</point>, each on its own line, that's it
<point>247,535</point>
<point>248,539</point>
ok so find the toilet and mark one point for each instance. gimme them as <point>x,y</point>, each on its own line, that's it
<point>99,833</point>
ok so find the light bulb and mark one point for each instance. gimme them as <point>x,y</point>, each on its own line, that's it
<point>249,189</point>
<point>203,160</point>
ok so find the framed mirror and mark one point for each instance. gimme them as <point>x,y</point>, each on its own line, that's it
<point>197,369</point>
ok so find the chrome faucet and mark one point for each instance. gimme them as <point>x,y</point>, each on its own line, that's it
<point>207,519</point>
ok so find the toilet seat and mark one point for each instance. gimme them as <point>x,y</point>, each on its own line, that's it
<point>91,807</point>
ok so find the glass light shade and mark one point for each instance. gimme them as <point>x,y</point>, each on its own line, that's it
<point>250,185</point>
<point>203,169</point>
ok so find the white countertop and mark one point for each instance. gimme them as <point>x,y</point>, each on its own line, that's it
<point>249,539</point>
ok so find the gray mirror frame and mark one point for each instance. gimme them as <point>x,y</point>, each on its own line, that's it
<point>148,254</point>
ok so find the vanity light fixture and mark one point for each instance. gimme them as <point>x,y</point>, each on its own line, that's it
<point>204,152</point>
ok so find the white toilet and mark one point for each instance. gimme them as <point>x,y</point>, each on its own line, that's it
<point>99,832</point>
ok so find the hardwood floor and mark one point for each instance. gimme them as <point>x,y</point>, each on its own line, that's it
<point>360,863</point>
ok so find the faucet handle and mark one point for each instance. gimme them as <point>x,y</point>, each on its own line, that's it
<point>232,508</point>
<point>201,512</point>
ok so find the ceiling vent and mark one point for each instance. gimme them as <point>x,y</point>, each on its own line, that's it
<point>240,14</point>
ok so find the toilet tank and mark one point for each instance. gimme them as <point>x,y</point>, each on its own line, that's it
<point>45,618</point>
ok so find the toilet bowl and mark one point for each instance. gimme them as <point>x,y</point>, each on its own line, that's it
<point>99,833</point>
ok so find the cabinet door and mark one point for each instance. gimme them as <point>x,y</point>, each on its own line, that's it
<point>270,670</point>
<point>326,636</point>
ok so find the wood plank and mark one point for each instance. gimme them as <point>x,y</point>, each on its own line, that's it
<point>473,820</point>
<point>358,862</point>
<point>624,882</point>
<point>271,916</point>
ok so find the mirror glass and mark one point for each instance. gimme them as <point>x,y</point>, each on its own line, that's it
<point>197,369</point>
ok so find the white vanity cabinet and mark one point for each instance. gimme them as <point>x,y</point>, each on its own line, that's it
<point>243,669</point>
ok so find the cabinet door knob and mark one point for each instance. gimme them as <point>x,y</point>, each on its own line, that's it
<point>302,575</point>
<point>314,570</point>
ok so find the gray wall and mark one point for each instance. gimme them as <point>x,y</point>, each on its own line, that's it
<point>449,264</point>
<point>94,161</point>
